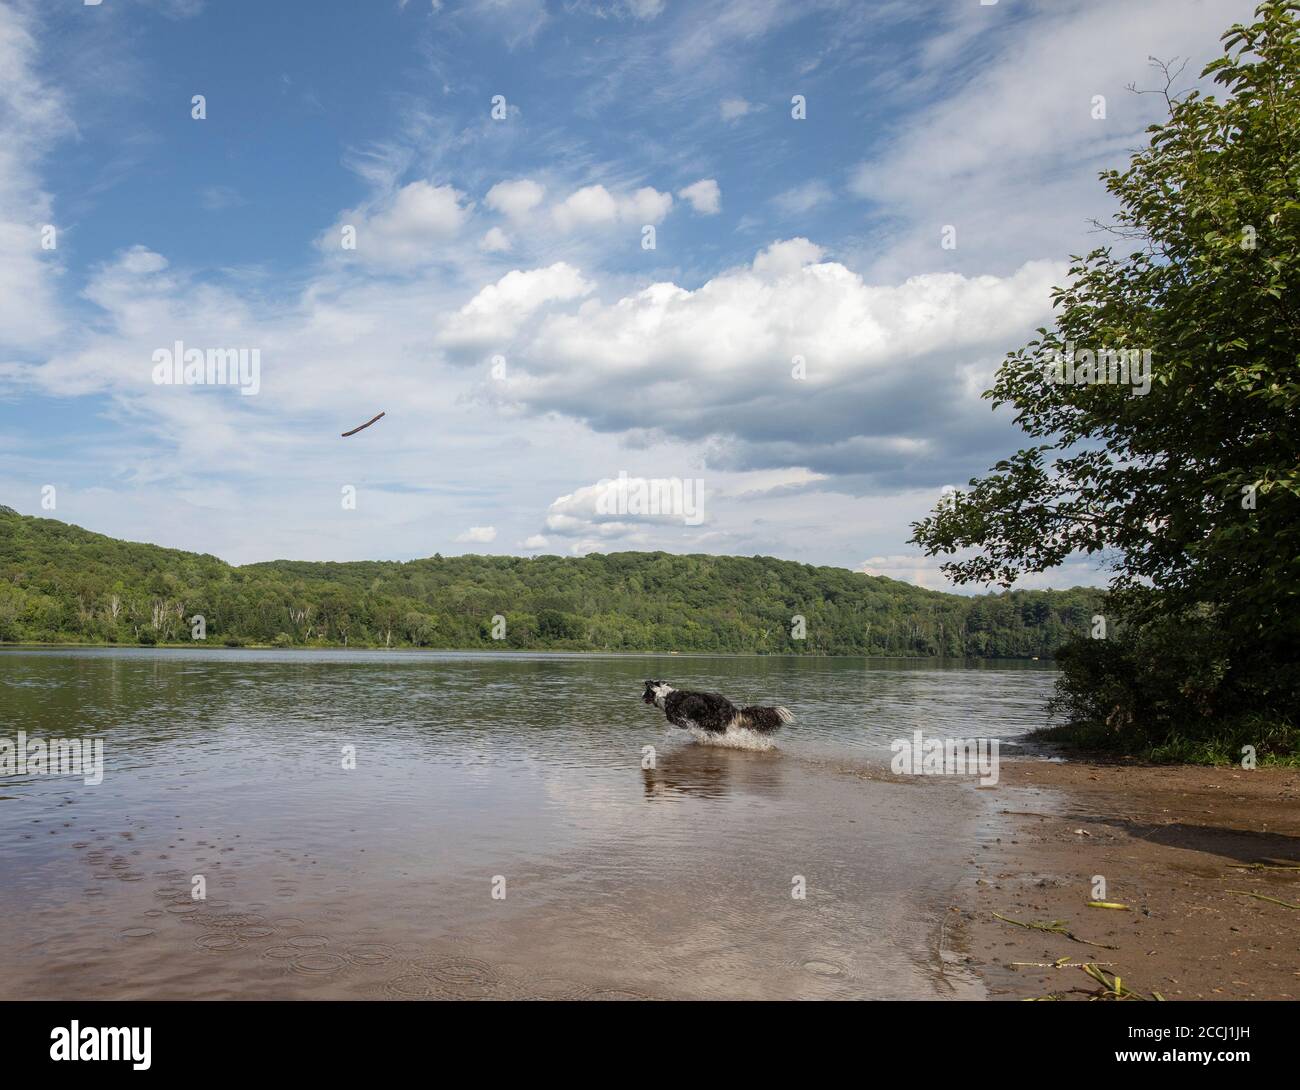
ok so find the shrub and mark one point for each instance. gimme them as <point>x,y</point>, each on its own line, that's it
<point>1171,689</point>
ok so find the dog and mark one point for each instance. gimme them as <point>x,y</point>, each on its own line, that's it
<point>711,711</point>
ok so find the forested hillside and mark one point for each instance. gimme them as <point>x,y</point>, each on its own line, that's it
<point>59,583</point>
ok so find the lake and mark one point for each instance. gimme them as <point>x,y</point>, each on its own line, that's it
<point>498,836</point>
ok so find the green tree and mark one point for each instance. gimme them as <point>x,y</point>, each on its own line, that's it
<point>1192,488</point>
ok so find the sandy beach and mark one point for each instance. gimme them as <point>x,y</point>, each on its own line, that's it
<point>805,870</point>
<point>1173,844</point>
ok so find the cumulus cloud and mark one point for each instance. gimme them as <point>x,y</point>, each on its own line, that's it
<point>515,199</point>
<point>705,196</point>
<point>495,241</point>
<point>493,316</point>
<point>694,371</point>
<point>623,507</point>
<point>594,206</point>
<point>890,373</point>
<point>332,355</point>
<point>405,230</point>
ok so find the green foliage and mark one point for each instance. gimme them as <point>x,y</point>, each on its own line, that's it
<point>59,583</point>
<point>1169,689</point>
<point>1193,489</point>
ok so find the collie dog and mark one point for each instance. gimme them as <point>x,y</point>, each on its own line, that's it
<point>711,711</point>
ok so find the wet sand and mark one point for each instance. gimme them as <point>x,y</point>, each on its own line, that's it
<point>688,898</point>
<point>1171,843</point>
<point>904,877</point>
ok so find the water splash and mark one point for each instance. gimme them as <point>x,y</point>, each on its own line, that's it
<point>734,738</point>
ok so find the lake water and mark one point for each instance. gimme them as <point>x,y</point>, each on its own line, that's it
<point>478,775</point>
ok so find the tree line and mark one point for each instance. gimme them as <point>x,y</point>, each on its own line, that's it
<point>60,584</point>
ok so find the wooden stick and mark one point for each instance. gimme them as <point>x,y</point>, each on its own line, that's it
<point>363,426</point>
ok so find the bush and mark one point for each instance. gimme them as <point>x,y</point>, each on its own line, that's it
<point>1173,689</point>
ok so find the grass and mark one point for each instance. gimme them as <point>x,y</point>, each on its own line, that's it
<point>1056,927</point>
<point>1263,897</point>
<point>1111,987</point>
<point>1275,744</point>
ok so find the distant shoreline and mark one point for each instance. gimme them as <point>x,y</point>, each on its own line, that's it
<point>199,645</point>
<point>62,585</point>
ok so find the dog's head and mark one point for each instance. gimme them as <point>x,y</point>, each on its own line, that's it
<point>649,695</point>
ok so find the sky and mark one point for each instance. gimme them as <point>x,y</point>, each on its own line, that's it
<point>767,253</point>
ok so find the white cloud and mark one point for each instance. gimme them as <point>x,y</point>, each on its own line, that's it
<point>594,205</point>
<point>767,482</point>
<point>803,198</point>
<point>515,199</point>
<point>495,241</point>
<point>623,507</point>
<point>921,571</point>
<point>646,205</point>
<point>1010,155</point>
<point>688,372</point>
<point>925,571</point>
<point>518,21</point>
<point>888,388</point>
<point>787,257</point>
<point>478,535</point>
<point>732,108</point>
<point>704,195</point>
<point>500,309</point>
<point>33,118</point>
<point>406,230</point>
<point>645,9</point>
<point>589,205</point>
<point>140,261</point>
<point>217,198</point>
<point>724,28</point>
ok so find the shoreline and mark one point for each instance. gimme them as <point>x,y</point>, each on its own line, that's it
<point>199,645</point>
<point>1173,843</point>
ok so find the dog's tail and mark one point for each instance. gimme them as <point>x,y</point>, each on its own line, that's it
<point>764,720</point>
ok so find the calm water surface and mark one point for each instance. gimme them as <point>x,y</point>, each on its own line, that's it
<point>378,881</point>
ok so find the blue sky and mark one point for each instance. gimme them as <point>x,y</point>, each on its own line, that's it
<point>521,240</point>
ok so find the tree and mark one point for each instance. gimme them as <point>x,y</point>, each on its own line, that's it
<point>1191,487</point>
<point>685,603</point>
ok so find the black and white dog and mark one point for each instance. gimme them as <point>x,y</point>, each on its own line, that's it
<point>711,711</point>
